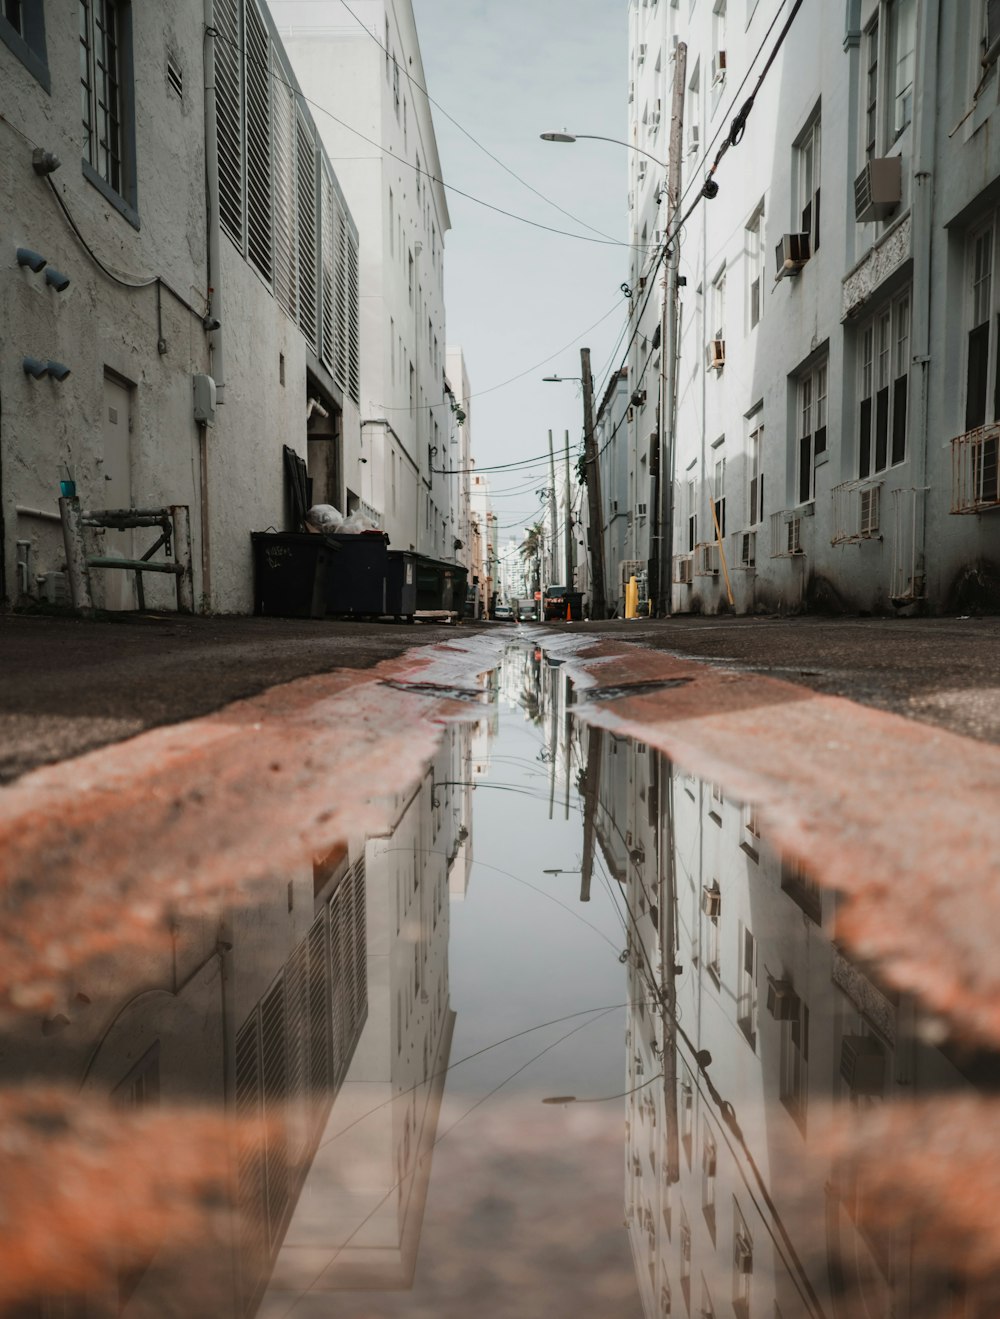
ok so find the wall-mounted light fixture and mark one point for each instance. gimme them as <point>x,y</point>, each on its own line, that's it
<point>32,366</point>
<point>58,371</point>
<point>44,162</point>
<point>210,323</point>
<point>57,279</point>
<point>33,260</point>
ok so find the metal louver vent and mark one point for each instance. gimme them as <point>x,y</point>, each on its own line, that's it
<point>319,1005</point>
<point>229,116</point>
<point>285,282</point>
<point>340,290</point>
<point>328,218</point>
<point>306,181</point>
<point>250,1162</point>
<point>353,329</point>
<point>274,1077</point>
<point>258,123</point>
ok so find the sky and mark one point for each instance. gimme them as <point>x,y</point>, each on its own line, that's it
<point>521,301</point>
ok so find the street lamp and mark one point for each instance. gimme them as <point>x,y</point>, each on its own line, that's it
<point>597,137</point>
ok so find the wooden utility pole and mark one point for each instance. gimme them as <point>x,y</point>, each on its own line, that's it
<point>668,344</point>
<point>553,516</point>
<point>569,524</point>
<point>594,500</point>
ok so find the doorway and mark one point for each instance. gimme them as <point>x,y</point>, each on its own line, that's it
<point>119,586</point>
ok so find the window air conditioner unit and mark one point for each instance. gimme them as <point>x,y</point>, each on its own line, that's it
<point>869,511</point>
<point>711,903</point>
<point>709,559</point>
<point>718,67</point>
<point>792,253</point>
<point>862,1064</point>
<point>640,510</point>
<point>782,1000</point>
<point>793,536</point>
<point>716,354</point>
<point>748,549</point>
<point>694,139</point>
<point>878,189</point>
<point>682,571</point>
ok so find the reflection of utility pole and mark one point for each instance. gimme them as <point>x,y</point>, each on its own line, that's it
<point>663,555</point>
<point>668,989</point>
<point>553,732</point>
<point>554,544</point>
<point>592,776</point>
<point>594,501</point>
<point>569,524</point>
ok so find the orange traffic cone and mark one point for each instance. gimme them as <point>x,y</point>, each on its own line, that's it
<point>569,612</point>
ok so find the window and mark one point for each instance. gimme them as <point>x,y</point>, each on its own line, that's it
<point>22,30</point>
<point>708,1162</point>
<point>107,102</point>
<point>795,1063</point>
<point>719,497</point>
<point>685,1246</point>
<point>754,253</point>
<point>884,375</point>
<point>755,474</point>
<point>692,517</point>
<point>902,60</point>
<point>980,407</point>
<point>693,111</point>
<point>808,176</point>
<point>712,906</point>
<point>811,419</point>
<point>742,1263</point>
<point>871,91</point>
<point>718,50</point>
<point>719,305</point>
<point>746,1003</point>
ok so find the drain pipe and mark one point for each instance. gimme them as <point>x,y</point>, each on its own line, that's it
<point>922,209</point>
<point>215,307</point>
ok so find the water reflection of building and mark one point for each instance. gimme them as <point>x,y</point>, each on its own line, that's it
<point>317,996</point>
<point>769,1029</point>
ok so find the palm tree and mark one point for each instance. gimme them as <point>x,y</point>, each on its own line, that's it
<point>531,550</point>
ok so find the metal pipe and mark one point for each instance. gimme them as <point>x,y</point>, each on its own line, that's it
<point>23,511</point>
<point>134,565</point>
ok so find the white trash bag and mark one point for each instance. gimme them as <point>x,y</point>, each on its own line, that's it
<point>325,519</point>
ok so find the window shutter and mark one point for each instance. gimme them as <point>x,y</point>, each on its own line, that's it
<point>899,419</point>
<point>881,428</point>
<point>353,329</point>
<point>815,247</point>
<point>306,175</point>
<point>258,103</point>
<point>328,221</point>
<point>865,438</point>
<point>975,385</point>
<point>284,191</point>
<point>229,116</point>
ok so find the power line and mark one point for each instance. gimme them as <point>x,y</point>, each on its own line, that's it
<point>419,169</point>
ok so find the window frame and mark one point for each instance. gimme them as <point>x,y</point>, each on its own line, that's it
<point>755,469</point>
<point>985,331</point>
<point>808,179</point>
<point>755,255</point>
<point>811,442</point>
<point>28,43</point>
<point>124,199</point>
<point>881,428</point>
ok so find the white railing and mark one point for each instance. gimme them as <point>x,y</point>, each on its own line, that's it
<point>744,553</point>
<point>907,535</point>
<point>857,511</point>
<point>706,559</point>
<point>786,534</point>
<point>975,470</point>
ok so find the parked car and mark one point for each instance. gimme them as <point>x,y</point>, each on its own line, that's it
<point>554,601</point>
<point>504,614</point>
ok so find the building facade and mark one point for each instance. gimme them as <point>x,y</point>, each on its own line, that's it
<point>365,77</point>
<point>180,298</point>
<point>833,443</point>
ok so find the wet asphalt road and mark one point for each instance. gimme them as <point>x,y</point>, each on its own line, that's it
<point>68,686</point>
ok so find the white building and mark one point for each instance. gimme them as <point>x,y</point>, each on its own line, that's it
<point>365,80</point>
<point>836,400</point>
<point>118,293</point>
<point>458,456</point>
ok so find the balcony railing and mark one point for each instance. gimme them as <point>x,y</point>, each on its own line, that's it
<point>857,512</point>
<point>975,471</point>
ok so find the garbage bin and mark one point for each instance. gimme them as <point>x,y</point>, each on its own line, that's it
<point>356,579</point>
<point>401,584</point>
<point>291,571</point>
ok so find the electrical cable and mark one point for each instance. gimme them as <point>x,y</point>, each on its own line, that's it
<point>462,129</point>
<point>419,169</point>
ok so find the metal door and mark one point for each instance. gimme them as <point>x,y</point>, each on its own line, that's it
<point>119,586</point>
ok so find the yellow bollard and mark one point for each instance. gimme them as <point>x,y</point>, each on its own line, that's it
<point>632,598</point>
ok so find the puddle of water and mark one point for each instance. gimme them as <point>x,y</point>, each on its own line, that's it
<point>569,1039</point>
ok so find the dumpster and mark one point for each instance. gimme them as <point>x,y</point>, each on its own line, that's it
<point>441,587</point>
<point>356,578</point>
<point>574,605</point>
<point>291,572</point>
<point>401,584</point>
